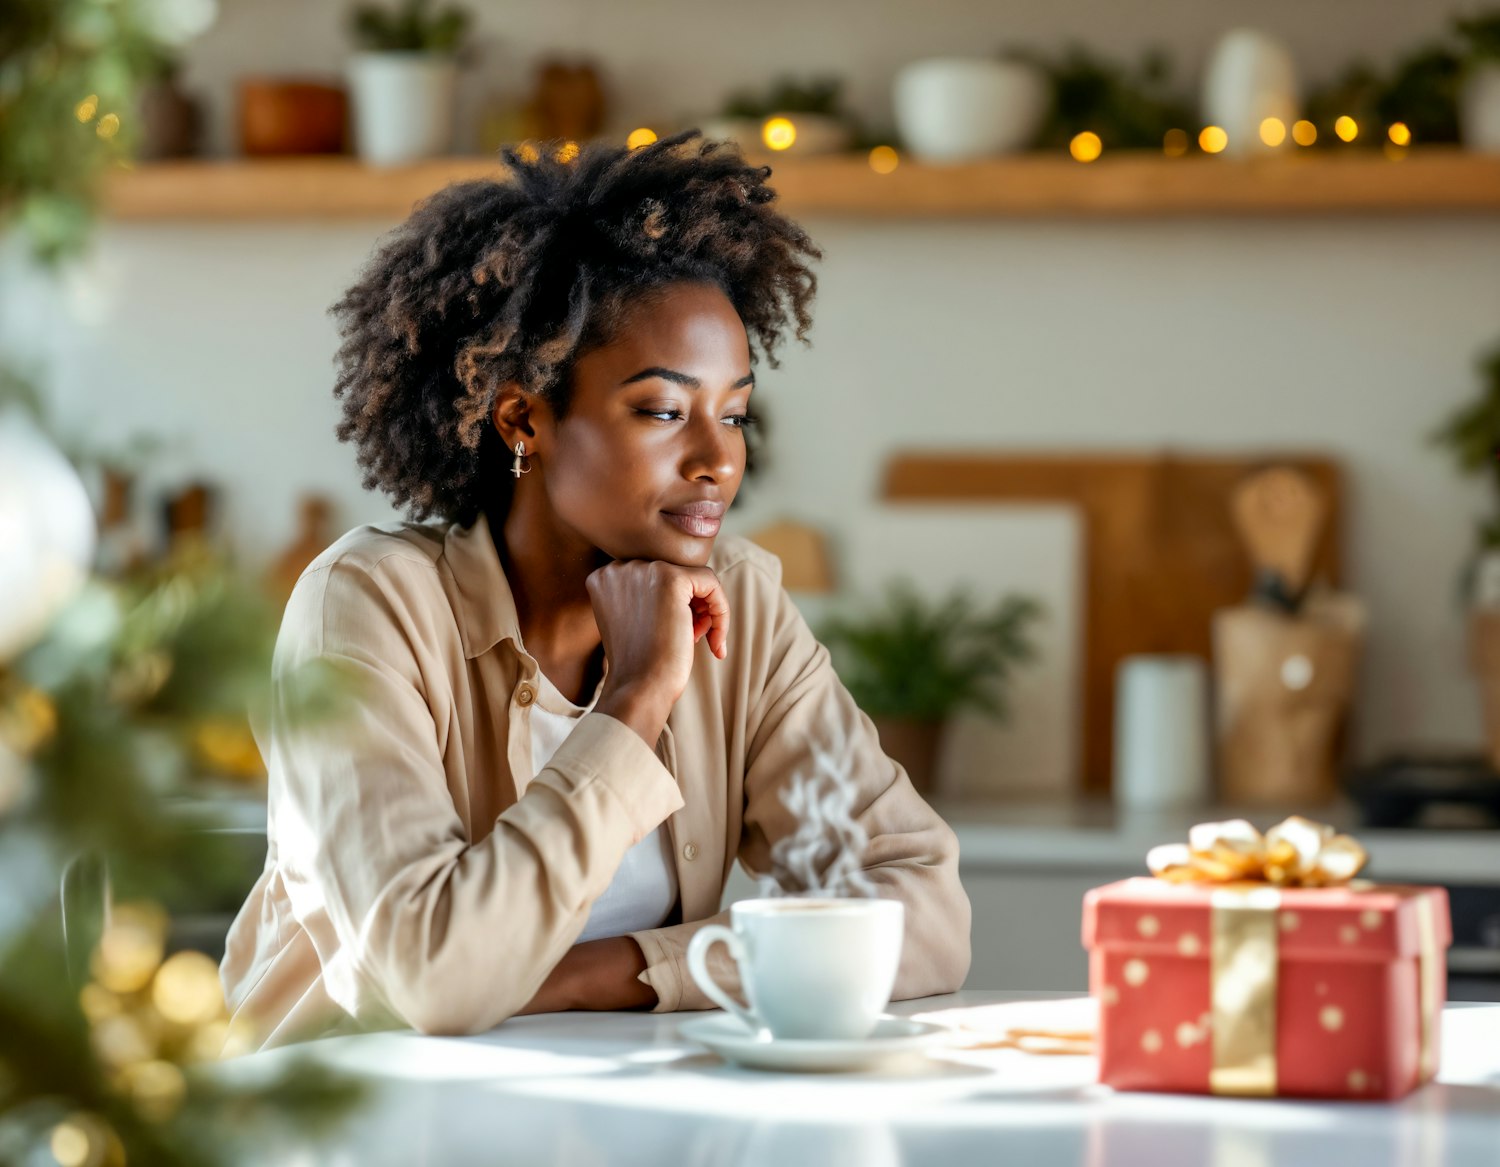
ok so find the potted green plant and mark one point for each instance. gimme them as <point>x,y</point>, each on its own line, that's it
<point>1479,95</point>
<point>911,663</point>
<point>1472,436</point>
<point>404,79</point>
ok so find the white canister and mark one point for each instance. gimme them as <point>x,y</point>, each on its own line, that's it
<point>1161,731</point>
<point>1479,109</point>
<point>1250,77</point>
<point>403,106</point>
<point>952,109</point>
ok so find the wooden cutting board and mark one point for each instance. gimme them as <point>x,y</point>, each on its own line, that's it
<point>1160,551</point>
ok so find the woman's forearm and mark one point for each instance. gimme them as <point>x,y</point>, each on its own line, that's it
<point>597,974</point>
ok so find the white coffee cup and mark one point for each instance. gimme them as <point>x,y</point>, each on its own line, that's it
<point>810,968</point>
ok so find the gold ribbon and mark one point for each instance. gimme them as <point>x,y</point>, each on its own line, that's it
<point>1297,852</point>
<point>1243,951</point>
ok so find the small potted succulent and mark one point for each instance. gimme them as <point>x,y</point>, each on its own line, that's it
<point>403,80</point>
<point>1479,95</point>
<point>911,663</point>
<point>1472,435</point>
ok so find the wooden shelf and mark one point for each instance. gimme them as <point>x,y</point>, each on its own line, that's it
<point>1428,181</point>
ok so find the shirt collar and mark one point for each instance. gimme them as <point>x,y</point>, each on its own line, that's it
<point>486,605</point>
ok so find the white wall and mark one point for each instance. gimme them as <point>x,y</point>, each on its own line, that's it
<point>1352,336</point>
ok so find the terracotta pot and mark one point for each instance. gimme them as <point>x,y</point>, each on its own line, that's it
<point>1484,660</point>
<point>291,117</point>
<point>914,744</point>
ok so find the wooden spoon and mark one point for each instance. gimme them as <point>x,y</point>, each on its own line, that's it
<point>1279,513</point>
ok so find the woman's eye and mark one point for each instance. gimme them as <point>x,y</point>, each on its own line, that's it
<point>739,420</point>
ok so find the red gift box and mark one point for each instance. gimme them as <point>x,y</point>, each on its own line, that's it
<point>1247,988</point>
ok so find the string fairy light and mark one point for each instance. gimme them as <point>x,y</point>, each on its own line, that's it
<point>1213,139</point>
<point>1086,147</point>
<point>778,133</point>
<point>1273,131</point>
<point>884,159</point>
<point>1399,134</point>
<point>1346,128</point>
<point>643,136</point>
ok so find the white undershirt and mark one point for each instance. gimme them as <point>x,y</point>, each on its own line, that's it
<point>644,889</point>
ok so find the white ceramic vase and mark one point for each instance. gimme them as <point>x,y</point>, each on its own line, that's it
<point>1250,77</point>
<point>1479,109</point>
<point>953,109</point>
<point>403,106</point>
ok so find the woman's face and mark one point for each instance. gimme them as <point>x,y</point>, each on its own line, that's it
<point>652,450</point>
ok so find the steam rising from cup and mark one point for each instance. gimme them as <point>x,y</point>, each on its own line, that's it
<point>823,857</point>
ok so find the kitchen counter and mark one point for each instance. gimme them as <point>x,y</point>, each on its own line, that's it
<point>625,1088</point>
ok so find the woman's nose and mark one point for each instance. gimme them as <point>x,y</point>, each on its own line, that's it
<point>717,450</point>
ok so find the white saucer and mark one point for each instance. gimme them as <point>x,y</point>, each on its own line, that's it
<point>729,1038</point>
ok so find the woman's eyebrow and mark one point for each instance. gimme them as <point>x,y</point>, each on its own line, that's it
<point>681,378</point>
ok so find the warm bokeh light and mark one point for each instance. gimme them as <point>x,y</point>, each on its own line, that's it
<point>131,948</point>
<point>1086,147</point>
<point>1304,133</point>
<point>640,137</point>
<point>884,159</point>
<point>1346,128</point>
<point>1213,139</point>
<point>109,125</point>
<point>1273,131</point>
<point>527,153</point>
<point>87,108</point>
<point>70,1144</point>
<point>186,989</point>
<point>1400,134</point>
<point>778,133</point>
<point>156,1087</point>
<point>567,152</point>
<point>1174,143</point>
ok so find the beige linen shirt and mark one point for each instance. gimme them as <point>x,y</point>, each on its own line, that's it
<point>407,883</point>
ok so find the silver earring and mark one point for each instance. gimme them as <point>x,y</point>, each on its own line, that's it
<point>517,469</point>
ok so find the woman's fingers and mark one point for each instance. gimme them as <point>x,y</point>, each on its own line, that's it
<point>709,598</point>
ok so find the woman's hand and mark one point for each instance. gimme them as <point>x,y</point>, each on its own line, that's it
<point>650,614</point>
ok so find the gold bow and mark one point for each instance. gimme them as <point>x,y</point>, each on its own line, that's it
<point>1295,853</point>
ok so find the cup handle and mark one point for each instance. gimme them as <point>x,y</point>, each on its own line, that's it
<point>697,955</point>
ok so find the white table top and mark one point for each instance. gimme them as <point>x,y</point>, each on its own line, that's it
<point>589,1089</point>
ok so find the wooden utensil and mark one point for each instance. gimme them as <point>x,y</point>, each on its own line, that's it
<point>1279,513</point>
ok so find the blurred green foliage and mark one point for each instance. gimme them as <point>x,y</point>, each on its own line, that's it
<point>914,658</point>
<point>411,27</point>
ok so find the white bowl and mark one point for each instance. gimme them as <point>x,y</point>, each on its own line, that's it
<point>950,109</point>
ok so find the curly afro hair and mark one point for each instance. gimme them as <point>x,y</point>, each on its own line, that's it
<point>513,279</point>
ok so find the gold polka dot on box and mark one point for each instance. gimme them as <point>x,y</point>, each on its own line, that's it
<point>1253,990</point>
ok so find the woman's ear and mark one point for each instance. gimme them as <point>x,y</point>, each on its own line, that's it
<point>515,415</point>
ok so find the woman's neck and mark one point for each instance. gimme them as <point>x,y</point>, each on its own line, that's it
<point>547,569</point>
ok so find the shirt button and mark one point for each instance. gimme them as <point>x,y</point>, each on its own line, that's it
<point>525,695</point>
<point>690,852</point>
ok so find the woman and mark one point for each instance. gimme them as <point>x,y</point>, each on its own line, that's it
<point>578,706</point>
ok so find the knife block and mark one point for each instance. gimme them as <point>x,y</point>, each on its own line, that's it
<point>1283,689</point>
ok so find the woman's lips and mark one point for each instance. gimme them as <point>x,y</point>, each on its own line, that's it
<point>699,525</point>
